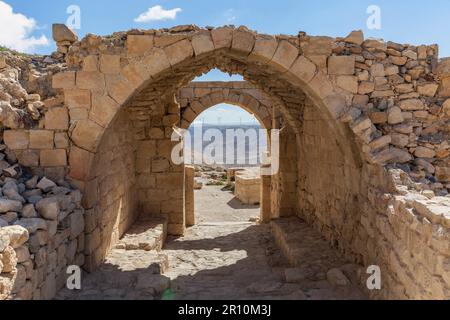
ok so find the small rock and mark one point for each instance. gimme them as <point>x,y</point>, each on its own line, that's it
<point>10,217</point>
<point>395,115</point>
<point>48,208</point>
<point>10,205</point>
<point>296,275</point>
<point>336,278</point>
<point>46,184</point>
<point>156,282</point>
<point>423,152</point>
<point>34,199</point>
<point>428,193</point>
<point>9,260</point>
<point>3,223</point>
<point>32,183</point>
<point>48,60</point>
<point>355,37</point>
<point>62,33</point>
<point>76,223</point>
<point>22,254</point>
<point>29,211</point>
<point>32,224</point>
<point>4,242</point>
<point>18,235</point>
<point>12,171</point>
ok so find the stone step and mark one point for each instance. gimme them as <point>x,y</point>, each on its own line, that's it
<point>310,256</point>
<point>145,235</point>
<point>135,261</point>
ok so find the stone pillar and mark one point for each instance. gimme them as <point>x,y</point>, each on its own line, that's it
<point>189,203</point>
<point>265,199</point>
<point>284,183</point>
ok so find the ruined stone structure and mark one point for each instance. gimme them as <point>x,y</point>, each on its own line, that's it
<point>365,153</point>
<point>248,188</point>
<point>197,97</point>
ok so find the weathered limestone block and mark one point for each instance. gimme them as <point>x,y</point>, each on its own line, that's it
<point>395,115</point>
<point>189,195</point>
<point>285,55</point>
<point>90,80</point>
<point>103,110</point>
<point>355,37</point>
<point>348,83</point>
<point>90,63</point>
<point>87,134</point>
<point>17,235</point>
<point>61,32</point>
<point>109,64</point>
<point>41,139</point>
<point>64,80</point>
<point>9,260</point>
<point>341,65</point>
<point>138,45</point>
<point>202,43</point>
<point>428,90</point>
<point>156,62</point>
<point>80,162</point>
<point>53,158</point>
<point>248,187</point>
<point>243,41</point>
<point>443,174</point>
<point>16,139</point>
<point>411,105</point>
<point>304,69</point>
<point>264,49</point>
<point>57,118</point>
<point>179,51</point>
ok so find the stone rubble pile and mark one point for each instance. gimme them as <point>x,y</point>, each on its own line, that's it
<point>25,88</point>
<point>41,232</point>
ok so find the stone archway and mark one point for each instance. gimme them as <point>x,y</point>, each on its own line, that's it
<point>366,160</point>
<point>196,97</point>
<point>138,84</point>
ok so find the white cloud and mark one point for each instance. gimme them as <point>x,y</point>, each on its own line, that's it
<point>16,30</point>
<point>158,13</point>
<point>230,15</point>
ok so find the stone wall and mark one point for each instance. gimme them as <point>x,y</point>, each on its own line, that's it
<point>111,191</point>
<point>41,234</point>
<point>284,183</point>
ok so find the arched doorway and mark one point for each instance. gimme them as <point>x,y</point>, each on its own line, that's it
<point>141,97</point>
<point>223,150</point>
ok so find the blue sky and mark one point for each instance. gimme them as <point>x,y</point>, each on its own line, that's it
<point>26,25</point>
<point>413,22</point>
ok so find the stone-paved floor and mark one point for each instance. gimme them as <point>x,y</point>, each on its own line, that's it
<point>229,259</point>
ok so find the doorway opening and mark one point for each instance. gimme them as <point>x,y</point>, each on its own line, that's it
<point>225,166</point>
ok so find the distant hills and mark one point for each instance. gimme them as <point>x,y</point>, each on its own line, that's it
<point>243,151</point>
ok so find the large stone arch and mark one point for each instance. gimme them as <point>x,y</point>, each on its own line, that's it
<point>367,161</point>
<point>140,82</point>
<point>232,50</point>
